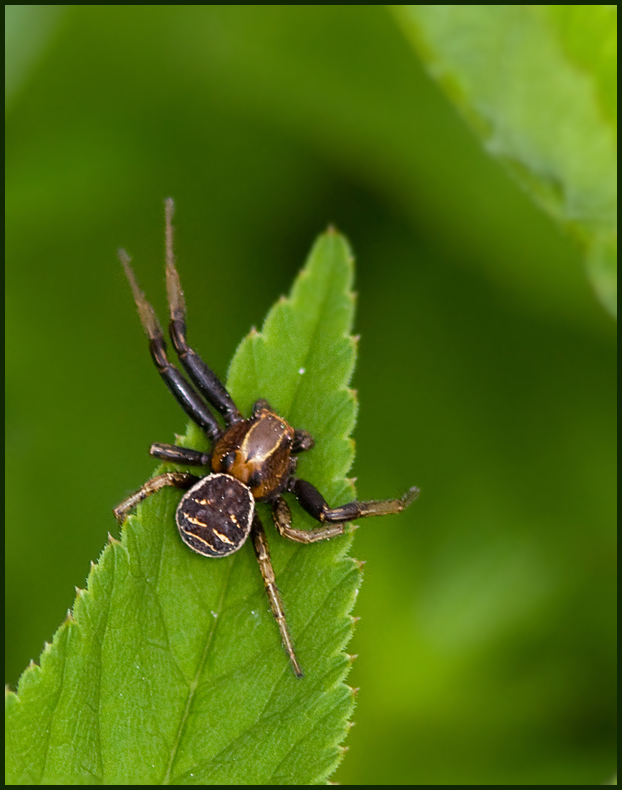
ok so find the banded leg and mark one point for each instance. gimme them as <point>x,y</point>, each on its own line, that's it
<point>188,399</point>
<point>179,455</point>
<point>260,542</point>
<point>282,521</point>
<point>315,504</point>
<point>207,382</point>
<point>176,479</point>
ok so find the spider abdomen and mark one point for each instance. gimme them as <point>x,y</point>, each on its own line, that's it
<point>215,516</point>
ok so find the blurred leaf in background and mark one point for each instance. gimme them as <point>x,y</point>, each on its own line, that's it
<point>539,84</point>
<point>486,370</point>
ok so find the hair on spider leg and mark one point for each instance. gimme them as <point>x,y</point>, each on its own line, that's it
<point>146,313</point>
<point>174,290</point>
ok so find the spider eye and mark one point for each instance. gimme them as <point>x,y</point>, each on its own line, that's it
<point>228,460</point>
<point>254,480</point>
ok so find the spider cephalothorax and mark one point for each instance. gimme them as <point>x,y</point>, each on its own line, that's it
<point>252,459</point>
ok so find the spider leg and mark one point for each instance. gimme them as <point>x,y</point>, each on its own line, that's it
<point>177,479</point>
<point>315,504</point>
<point>187,398</point>
<point>179,455</point>
<point>260,404</point>
<point>207,382</point>
<point>283,518</point>
<point>260,542</point>
<point>303,441</point>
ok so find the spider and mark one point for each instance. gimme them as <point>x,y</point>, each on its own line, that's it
<point>252,459</point>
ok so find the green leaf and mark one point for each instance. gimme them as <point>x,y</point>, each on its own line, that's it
<point>538,84</point>
<point>170,668</point>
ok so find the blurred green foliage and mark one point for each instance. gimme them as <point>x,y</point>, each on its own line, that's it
<point>539,85</point>
<point>486,370</point>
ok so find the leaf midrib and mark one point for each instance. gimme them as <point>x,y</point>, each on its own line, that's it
<point>195,681</point>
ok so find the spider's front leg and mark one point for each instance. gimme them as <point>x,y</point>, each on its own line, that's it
<point>204,378</point>
<point>188,399</point>
<point>260,542</point>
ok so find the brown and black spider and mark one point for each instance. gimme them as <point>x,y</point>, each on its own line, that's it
<point>251,459</point>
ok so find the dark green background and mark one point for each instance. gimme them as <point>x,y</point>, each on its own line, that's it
<point>486,372</point>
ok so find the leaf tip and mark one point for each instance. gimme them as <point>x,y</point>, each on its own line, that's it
<point>112,540</point>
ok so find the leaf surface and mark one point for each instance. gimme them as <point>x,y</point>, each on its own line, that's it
<point>538,84</point>
<point>170,669</point>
